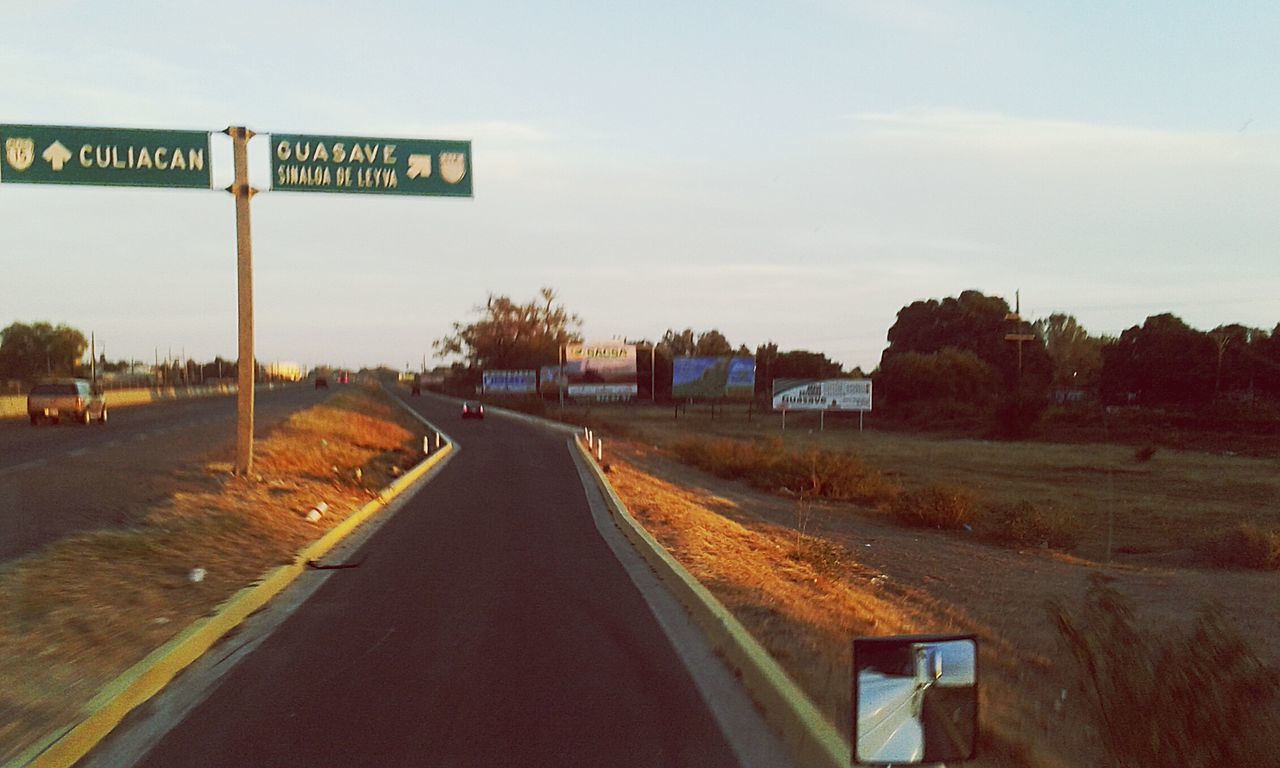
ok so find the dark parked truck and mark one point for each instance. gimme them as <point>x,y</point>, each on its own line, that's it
<point>75,399</point>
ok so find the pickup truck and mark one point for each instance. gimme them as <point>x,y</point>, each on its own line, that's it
<point>75,399</point>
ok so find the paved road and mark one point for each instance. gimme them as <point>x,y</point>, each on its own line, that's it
<point>59,479</point>
<point>489,625</point>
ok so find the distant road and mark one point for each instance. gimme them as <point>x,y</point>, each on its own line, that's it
<point>59,479</point>
<point>489,624</point>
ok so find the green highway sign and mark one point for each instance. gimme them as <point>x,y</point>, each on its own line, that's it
<point>124,157</point>
<point>304,163</point>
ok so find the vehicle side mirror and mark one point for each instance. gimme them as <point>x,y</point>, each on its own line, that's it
<point>915,699</point>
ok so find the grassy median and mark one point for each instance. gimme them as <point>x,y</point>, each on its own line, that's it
<point>78,613</point>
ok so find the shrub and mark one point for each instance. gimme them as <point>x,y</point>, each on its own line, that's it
<point>734,459</point>
<point>766,464</point>
<point>824,556</point>
<point>830,475</point>
<point>945,507</point>
<point>1246,546</point>
<point>1161,698</point>
<point>1022,524</point>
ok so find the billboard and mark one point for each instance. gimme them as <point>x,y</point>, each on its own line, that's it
<point>549,380</point>
<point>510,382</point>
<point>822,395</point>
<point>713,377</point>
<point>605,370</point>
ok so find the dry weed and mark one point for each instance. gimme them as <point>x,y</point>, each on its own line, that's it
<point>1200,700</point>
<point>936,506</point>
<point>1023,524</point>
<point>765,463</point>
<point>1246,546</point>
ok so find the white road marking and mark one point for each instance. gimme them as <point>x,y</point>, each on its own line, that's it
<point>111,444</point>
<point>141,436</point>
<point>77,451</point>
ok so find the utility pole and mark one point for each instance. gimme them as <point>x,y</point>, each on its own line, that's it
<point>93,358</point>
<point>1221,339</point>
<point>1018,338</point>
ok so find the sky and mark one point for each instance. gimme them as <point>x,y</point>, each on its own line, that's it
<point>789,172</point>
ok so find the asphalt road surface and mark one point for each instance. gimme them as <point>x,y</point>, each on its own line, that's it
<point>489,624</point>
<point>58,479</point>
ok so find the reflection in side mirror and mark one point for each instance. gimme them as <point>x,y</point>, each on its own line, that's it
<point>915,699</point>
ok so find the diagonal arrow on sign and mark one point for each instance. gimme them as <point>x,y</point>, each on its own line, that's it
<point>419,166</point>
<point>57,155</point>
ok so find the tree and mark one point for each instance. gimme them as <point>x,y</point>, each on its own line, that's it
<point>1238,357</point>
<point>712,344</point>
<point>948,375</point>
<point>1164,362</point>
<point>678,344</point>
<point>803,364</point>
<point>795,364</point>
<point>513,336</point>
<point>978,323</point>
<point>28,352</point>
<point>1266,353</point>
<point>1076,356</point>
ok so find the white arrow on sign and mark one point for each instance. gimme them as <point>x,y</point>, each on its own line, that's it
<point>57,155</point>
<point>419,166</point>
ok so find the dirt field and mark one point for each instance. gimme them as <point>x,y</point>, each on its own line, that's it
<point>1154,512</point>
<point>806,578</point>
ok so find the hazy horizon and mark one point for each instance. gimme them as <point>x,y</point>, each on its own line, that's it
<point>790,173</point>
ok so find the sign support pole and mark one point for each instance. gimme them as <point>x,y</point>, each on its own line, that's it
<point>244,280</point>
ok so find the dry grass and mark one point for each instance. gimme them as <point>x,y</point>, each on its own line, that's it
<point>1033,495</point>
<point>83,610</point>
<point>1022,524</point>
<point>1199,700</point>
<point>809,472</point>
<point>1246,546</point>
<point>947,508</point>
<point>1170,505</point>
<point>802,596</point>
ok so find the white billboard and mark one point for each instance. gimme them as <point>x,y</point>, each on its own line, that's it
<point>822,395</point>
<point>510,382</point>
<point>605,370</point>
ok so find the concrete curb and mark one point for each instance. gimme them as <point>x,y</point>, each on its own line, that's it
<point>804,731</point>
<point>150,675</point>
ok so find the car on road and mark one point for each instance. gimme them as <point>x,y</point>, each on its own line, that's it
<point>472,410</point>
<point>75,399</point>
<point>322,382</point>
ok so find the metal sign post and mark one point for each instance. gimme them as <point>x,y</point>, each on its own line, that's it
<point>244,290</point>
<point>125,157</point>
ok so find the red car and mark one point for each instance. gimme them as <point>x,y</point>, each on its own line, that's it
<point>472,411</point>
